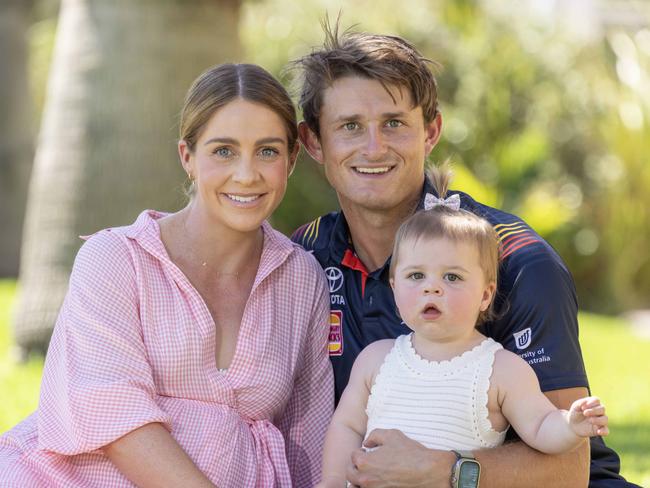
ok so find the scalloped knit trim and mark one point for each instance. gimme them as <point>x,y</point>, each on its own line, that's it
<point>419,365</point>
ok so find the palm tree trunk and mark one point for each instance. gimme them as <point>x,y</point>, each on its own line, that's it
<point>16,134</point>
<point>107,143</point>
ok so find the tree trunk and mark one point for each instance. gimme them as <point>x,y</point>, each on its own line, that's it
<point>16,132</point>
<point>107,145</point>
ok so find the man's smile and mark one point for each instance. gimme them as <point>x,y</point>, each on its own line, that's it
<point>370,170</point>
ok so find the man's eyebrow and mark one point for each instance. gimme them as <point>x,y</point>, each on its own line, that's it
<point>355,117</point>
<point>347,118</point>
<point>394,115</point>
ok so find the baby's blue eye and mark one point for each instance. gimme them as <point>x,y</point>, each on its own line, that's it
<point>452,277</point>
<point>416,276</point>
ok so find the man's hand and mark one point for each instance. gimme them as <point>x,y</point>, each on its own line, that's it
<point>587,417</point>
<point>397,461</point>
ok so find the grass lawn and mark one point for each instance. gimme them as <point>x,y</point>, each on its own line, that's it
<point>19,383</point>
<point>617,365</point>
<point>616,360</point>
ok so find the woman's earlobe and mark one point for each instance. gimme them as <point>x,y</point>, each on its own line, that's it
<point>185,155</point>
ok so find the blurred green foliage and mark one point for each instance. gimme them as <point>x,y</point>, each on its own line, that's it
<point>538,120</point>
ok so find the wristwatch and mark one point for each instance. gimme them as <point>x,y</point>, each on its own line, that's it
<point>466,471</point>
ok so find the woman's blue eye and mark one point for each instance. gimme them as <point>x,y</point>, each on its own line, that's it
<point>269,152</point>
<point>223,152</point>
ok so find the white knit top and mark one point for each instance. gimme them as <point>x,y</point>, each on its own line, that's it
<point>442,405</point>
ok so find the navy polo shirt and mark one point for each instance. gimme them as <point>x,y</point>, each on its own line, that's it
<point>536,306</point>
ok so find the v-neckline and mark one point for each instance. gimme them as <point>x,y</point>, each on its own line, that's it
<point>275,250</point>
<point>206,315</point>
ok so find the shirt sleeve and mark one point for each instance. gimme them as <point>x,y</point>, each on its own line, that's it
<point>539,323</point>
<point>537,319</point>
<point>309,409</point>
<point>97,383</point>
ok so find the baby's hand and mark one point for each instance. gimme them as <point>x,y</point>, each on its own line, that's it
<point>587,417</point>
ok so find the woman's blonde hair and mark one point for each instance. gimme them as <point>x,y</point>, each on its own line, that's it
<point>224,83</point>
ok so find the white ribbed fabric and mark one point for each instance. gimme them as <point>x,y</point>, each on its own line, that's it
<point>442,405</point>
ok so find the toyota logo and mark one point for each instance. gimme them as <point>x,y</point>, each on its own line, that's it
<point>335,278</point>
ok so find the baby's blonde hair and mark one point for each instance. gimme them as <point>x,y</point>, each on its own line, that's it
<point>456,225</point>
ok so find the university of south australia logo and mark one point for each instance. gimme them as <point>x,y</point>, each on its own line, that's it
<point>523,338</point>
<point>335,278</point>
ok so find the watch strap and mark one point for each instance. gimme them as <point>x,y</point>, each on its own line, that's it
<point>463,454</point>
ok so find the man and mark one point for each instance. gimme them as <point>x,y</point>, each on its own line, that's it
<point>371,118</point>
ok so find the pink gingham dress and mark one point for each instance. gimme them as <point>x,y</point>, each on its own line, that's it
<point>135,343</point>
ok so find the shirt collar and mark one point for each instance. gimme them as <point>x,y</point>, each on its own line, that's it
<point>341,241</point>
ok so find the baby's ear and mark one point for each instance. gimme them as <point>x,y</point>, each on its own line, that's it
<point>488,295</point>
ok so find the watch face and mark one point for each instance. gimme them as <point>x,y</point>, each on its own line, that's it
<point>469,473</point>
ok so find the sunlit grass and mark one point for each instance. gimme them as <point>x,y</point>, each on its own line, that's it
<point>617,365</point>
<point>616,362</point>
<point>19,383</point>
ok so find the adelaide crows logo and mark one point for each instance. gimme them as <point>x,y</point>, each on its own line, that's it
<point>335,278</point>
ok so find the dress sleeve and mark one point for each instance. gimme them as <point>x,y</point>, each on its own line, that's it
<point>309,409</point>
<point>97,383</point>
<point>539,322</point>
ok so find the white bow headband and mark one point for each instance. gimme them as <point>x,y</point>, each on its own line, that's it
<point>431,201</point>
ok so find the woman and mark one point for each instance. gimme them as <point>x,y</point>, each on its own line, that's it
<point>191,349</point>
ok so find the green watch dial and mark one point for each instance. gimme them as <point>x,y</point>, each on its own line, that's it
<point>469,474</point>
